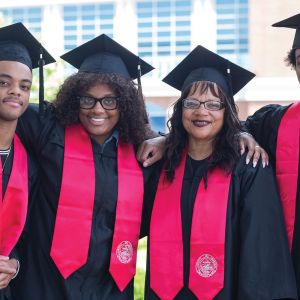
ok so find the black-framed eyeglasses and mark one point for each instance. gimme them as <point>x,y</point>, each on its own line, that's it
<point>89,102</point>
<point>209,104</point>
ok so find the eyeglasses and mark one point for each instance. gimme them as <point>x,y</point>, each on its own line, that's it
<point>88,102</point>
<point>209,104</point>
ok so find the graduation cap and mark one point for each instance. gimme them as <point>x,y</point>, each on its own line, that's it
<point>204,65</point>
<point>18,44</point>
<point>294,23</point>
<point>103,55</point>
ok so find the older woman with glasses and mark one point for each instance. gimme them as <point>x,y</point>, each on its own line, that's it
<point>84,229</point>
<point>216,229</point>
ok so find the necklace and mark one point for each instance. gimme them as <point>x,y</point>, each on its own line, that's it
<point>7,152</point>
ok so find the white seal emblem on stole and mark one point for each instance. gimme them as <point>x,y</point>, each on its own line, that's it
<point>206,265</point>
<point>124,252</point>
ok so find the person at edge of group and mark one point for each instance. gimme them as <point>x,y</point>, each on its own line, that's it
<point>216,229</point>
<point>85,226</point>
<point>19,54</point>
<point>277,129</point>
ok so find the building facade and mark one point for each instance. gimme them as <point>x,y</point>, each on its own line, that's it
<point>163,32</point>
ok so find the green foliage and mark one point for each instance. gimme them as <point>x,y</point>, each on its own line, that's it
<point>139,279</point>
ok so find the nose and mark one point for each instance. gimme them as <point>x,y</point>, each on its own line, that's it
<point>98,107</point>
<point>15,90</point>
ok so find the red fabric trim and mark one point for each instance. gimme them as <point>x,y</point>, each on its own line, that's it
<point>128,216</point>
<point>287,164</point>
<point>207,236</point>
<point>71,237</point>
<point>13,208</point>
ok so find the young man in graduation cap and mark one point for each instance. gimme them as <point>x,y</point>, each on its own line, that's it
<point>216,228</point>
<point>19,54</point>
<point>277,129</point>
<point>83,232</point>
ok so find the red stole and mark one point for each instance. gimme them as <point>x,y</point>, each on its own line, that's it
<point>287,164</point>
<point>13,208</point>
<point>207,237</point>
<point>73,223</point>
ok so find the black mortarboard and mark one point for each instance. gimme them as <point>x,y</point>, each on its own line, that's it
<point>103,55</point>
<point>204,65</point>
<point>294,23</point>
<point>18,44</point>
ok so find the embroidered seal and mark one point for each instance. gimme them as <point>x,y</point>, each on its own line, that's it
<point>124,252</point>
<point>206,265</point>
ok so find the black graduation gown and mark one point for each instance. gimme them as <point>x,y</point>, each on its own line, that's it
<point>32,185</point>
<point>257,261</point>
<point>41,279</point>
<point>264,125</point>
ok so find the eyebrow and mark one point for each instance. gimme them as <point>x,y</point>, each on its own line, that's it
<point>10,77</point>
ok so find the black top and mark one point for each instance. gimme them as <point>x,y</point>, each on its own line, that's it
<point>41,279</point>
<point>257,261</point>
<point>264,125</point>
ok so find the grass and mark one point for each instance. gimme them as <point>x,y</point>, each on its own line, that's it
<point>139,279</point>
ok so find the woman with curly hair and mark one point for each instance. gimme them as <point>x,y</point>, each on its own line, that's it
<point>84,229</point>
<point>216,229</point>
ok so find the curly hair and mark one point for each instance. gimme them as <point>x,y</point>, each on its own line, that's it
<point>133,116</point>
<point>226,148</point>
<point>291,58</point>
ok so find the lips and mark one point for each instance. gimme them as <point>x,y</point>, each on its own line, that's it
<point>13,101</point>
<point>97,120</point>
<point>201,123</point>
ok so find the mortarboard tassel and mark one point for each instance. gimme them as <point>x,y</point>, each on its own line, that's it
<point>41,83</point>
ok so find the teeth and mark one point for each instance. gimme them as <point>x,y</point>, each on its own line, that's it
<point>200,123</point>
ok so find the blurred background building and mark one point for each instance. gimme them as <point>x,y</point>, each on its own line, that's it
<point>163,32</point>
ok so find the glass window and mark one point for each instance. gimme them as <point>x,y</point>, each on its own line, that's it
<point>225,31</point>
<point>145,34</point>
<point>163,24</point>
<point>163,44</point>
<point>144,44</point>
<point>163,34</point>
<point>164,53</point>
<point>70,37</point>
<point>107,6</point>
<point>70,28</point>
<point>182,13</point>
<point>183,33</point>
<point>145,14</point>
<point>145,25</point>
<point>182,52</point>
<point>183,43</point>
<point>88,8</point>
<point>163,14</point>
<point>70,9</point>
<point>106,26</point>
<point>225,21</point>
<point>183,23</point>
<point>88,18</point>
<point>106,17</point>
<point>88,27</point>
<point>142,5</point>
<point>144,53</point>
<point>163,4</point>
<point>225,42</point>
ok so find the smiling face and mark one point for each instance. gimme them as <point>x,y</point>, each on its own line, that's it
<point>15,85</point>
<point>202,125</point>
<point>97,121</point>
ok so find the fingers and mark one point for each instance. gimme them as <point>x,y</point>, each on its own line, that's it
<point>242,146</point>
<point>151,151</point>
<point>2,257</point>
<point>156,155</point>
<point>5,280</point>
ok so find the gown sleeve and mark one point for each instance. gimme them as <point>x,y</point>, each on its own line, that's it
<point>265,266</point>
<point>263,125</point>
<point>31,126</point>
